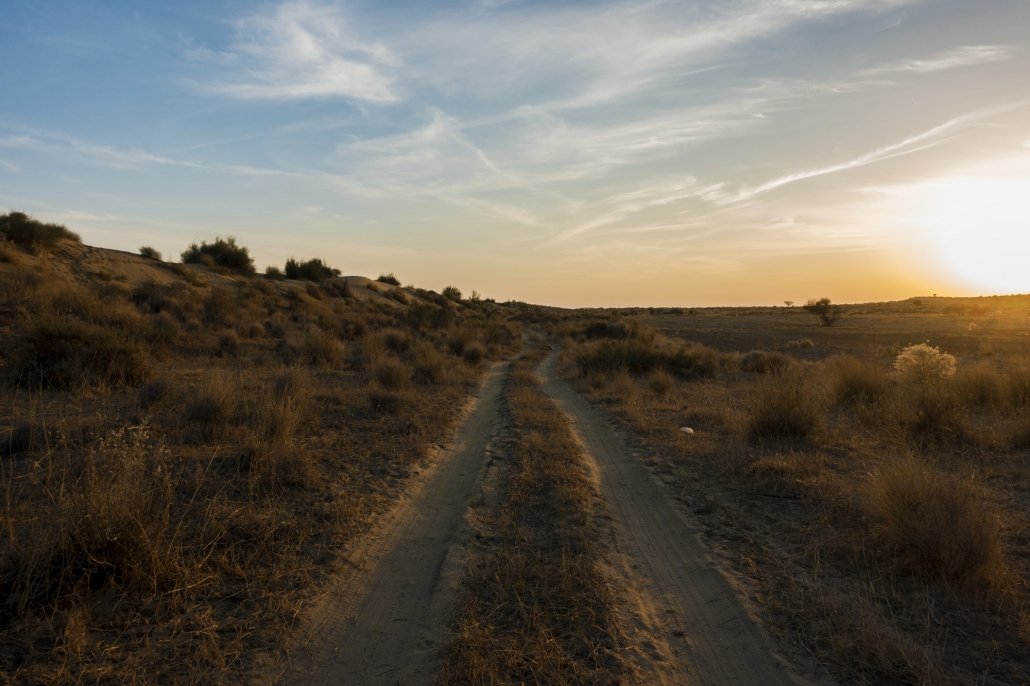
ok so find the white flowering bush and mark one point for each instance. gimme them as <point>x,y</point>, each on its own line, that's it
<point>923,363</point>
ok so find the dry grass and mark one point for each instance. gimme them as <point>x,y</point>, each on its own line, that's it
<point>937,525</point>
<point>184,546</point>
<point>539,607</point>
<point>843,496</point>
<point>784,406</point>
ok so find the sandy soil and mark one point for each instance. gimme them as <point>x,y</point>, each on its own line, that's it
<point>384,619</point>
<point>712,637</point>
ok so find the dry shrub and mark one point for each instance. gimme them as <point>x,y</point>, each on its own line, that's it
<point>322,347</point>
<point>935,414</point>
<point>395,340</point>
<point>255,330</point>
<point>607,356</point>
<point>282,407</point>
<point>660,382</point>
<point>163,329</point>
<point>1019,436</point>
<point>473,353</point>
<point>153,392</point>
<point>108,524</point>
<point>228,344</point>
<point>762,362</point>
<point>784,406</point>
<point>856,381</point>
<point>390,373</point>
<point>386,402</point>
<point>61,353</point>
<point>981,387</point>
<point>457,340</point>
<point>429,365</point>
<point>936,525</point>
<point>211,408</point>
<point>1019,388</point>
<point>800,343</point>
<point>219,307</point>
<point>923,363</point>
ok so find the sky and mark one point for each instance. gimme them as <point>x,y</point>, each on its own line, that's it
<point>654,153</point>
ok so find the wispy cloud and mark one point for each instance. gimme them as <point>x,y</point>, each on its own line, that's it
<point>303,50</point>
<point>962,56</point>
<point>922,141</point>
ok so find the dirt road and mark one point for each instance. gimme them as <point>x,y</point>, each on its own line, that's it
<point>382,623</point>
<point>703,622</point>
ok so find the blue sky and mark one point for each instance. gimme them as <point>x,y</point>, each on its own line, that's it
<point>574,153</point>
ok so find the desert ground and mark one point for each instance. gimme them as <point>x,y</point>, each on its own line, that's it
<point>213,476</point>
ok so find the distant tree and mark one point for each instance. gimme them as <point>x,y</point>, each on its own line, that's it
<point>150,253</point>
<point>224,253</point>
<point>452,293</point>
<point>388,278</point>
<point>788,303</point>
<point>827,312</point>
<point>274,273</point>
<point>313,270</point>
<point>22,229</point>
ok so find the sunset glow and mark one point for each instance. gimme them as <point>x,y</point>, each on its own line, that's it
<point>577,154</point>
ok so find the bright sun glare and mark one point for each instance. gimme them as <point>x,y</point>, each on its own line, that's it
<point>980,227</point>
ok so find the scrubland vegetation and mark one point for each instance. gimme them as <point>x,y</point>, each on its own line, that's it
<point>186,451</point>
<point>870,495</point>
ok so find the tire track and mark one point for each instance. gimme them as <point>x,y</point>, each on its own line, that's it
<point>709,631</point>
<point>382,622</point>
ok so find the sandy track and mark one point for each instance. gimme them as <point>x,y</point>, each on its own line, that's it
<point>382,623</point>
<point>710,634</point>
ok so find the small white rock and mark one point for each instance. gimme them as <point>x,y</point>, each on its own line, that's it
<point>686,430</point>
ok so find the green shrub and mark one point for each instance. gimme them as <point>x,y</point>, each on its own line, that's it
<point>224,253</point>
<point>312,270</point>
<point>452,293</point>
<point>63,353</point>
<point>150,253</point>
<point>21,229</point>
<point>388,278</point>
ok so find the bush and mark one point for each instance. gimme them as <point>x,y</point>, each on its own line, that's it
<point>150,253</point>
<point>274,273</point>
<point>388,278</point>
<point>857,382</point>
<point>611,356</point>
<point>473,353</point>
<point>21,229</point>
<point>224,253</point>
<point>827,312</point>
<point>313,270</point>
<point>617,330</point>
<point>922,363</point>
<point>761,362</point>
<point>936,525</point>
<point>62,353</point>
<point>390,373</point>
<point>429,366</point>
<point>228,344</point>
<point>784,407</point>
<point>211,408</point>
<point>452,293</point>
<point>322,347</point>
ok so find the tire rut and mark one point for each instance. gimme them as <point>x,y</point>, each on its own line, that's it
<point>383,620</point>
<point>704,623</point>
